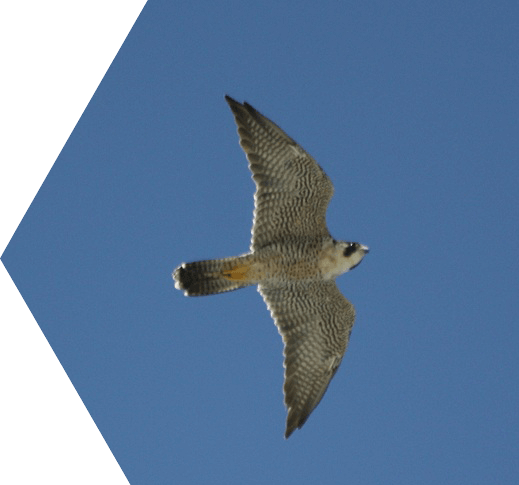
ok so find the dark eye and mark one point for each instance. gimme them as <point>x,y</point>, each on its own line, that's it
<point>350,249</point>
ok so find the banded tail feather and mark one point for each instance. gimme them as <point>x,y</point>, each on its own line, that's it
<point>212,276</point>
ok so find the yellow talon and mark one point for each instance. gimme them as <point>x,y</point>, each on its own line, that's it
<point>237,273</point>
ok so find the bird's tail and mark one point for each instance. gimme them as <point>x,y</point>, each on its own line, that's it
<point>213,276</point>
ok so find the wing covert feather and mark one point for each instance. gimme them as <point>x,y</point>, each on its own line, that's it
<point>315,322</point>
<point>292,190</point>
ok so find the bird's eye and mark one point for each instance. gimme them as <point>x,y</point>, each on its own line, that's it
<point>349,249</point>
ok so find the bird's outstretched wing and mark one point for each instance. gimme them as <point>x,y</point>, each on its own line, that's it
<point>315,322</point>
<point>292,190</point>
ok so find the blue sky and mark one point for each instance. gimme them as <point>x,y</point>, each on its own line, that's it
<point>412,110</point>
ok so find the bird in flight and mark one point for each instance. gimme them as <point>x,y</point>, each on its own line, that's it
<point>293,259</point>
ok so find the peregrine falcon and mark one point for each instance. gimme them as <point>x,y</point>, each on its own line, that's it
<point>293,259</point>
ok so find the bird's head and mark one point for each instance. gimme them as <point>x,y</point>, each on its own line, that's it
<point>352,252</point>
